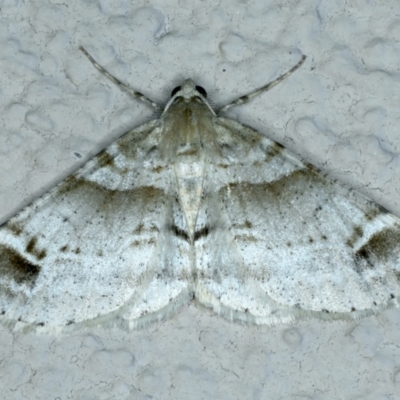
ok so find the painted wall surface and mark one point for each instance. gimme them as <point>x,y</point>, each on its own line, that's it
<point>340,111</point>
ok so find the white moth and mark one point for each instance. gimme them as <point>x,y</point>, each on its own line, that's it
<point>196,206</point>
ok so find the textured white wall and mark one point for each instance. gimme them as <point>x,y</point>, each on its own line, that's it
<point>339,111</point>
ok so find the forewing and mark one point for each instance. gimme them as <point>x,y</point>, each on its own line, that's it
<point>285,241</point>
<point>97,248</point>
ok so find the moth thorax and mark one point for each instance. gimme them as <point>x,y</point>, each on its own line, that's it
<point>190,178</point>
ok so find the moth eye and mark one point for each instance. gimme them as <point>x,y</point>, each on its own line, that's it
<point>175,91</point>
<point>202,91</point>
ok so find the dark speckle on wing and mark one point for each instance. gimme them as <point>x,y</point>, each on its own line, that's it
<point>15,228</point>
<point>105,159</point>
<point>357,233</point>
<point>32,249</point>
<point>274,150</point>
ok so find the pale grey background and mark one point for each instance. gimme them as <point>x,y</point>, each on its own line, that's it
<point>340,111</point>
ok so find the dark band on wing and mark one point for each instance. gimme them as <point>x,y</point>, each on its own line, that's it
<point>180,233</point>
<point>203,232</point>
<point>17,267</point>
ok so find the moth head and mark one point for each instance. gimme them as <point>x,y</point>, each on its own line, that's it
<point>189,91</point>
<point>190,94</point>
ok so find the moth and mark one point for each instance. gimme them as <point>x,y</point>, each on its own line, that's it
<point>193,205</point>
